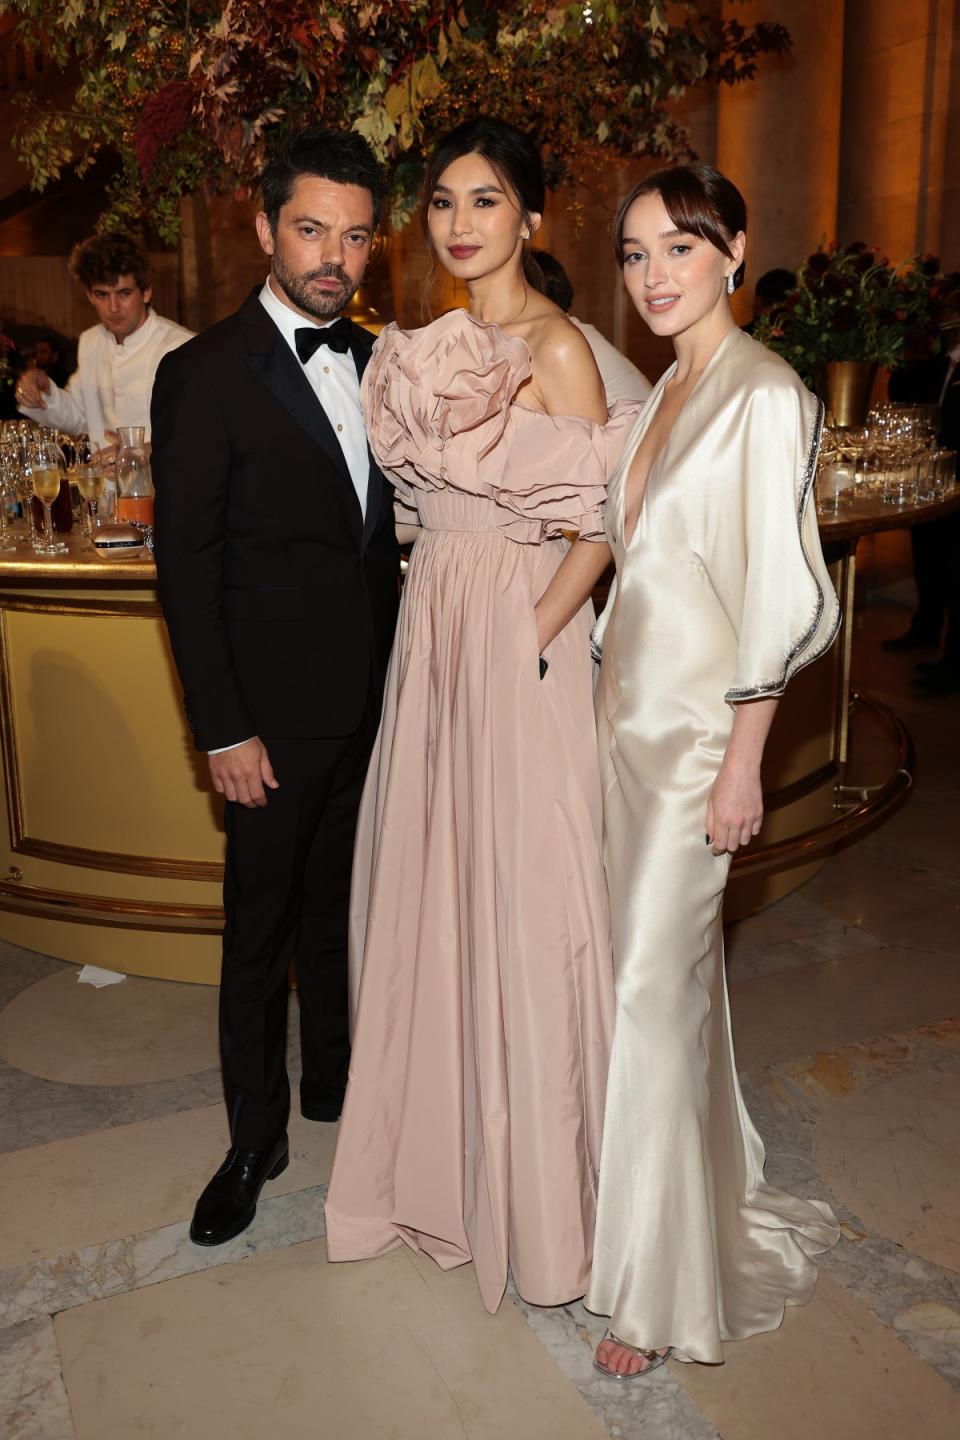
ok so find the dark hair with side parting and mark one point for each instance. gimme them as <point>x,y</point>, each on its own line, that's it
<point>103,259</point>
<point>699,200</point>
<point>513,157</point>
<point>338,155</point>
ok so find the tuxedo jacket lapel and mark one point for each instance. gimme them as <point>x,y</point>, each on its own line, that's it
<point>271,358</point>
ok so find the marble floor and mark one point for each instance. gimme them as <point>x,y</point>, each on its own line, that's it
<point>846,1005</point>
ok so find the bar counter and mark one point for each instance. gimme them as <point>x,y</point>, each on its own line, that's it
<point>114,842</point>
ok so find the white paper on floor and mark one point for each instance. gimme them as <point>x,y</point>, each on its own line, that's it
<point>93,975</point>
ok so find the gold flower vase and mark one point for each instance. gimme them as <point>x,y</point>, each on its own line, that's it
<point>845,386</point>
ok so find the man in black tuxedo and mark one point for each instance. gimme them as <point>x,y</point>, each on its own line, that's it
<point>936,545</point>
<point>278,572</point>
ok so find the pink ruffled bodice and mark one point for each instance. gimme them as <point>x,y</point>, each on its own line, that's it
<point>441,417</point>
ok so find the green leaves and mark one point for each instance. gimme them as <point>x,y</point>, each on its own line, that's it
<point>588,79</point>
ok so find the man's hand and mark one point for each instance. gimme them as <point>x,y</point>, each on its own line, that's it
<point>32,386</point>
<point>241,773</point>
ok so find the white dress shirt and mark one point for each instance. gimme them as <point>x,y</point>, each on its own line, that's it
<point>621,378</point>
<point>335,383</point>
<point>112,383</point>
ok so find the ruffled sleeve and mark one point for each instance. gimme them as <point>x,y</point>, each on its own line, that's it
<point>781,602</point>
<point>558,466</point>
<point>436,401</point>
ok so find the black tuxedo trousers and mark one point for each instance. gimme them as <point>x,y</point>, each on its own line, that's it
<point>286,897</point>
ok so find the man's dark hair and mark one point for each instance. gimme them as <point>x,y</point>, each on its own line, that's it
<point>50,340</point>
<point>775,286</point>
<point>556,282</point>
<point>338,155</point>
<point>102,260</point>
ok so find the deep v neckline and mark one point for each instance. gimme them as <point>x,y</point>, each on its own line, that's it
<point>654,406</point>
<point>648,418</point>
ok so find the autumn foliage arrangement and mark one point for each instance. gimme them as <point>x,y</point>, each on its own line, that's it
<point>851,303</point>
<point>186,94</point>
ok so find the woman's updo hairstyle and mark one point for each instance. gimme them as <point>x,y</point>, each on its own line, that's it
<point>699,200</point>
<point>512,156</point>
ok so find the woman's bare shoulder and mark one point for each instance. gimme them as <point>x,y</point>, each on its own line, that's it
<point>555,340</point>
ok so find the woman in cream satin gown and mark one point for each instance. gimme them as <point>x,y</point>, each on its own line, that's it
<point>481,969</point>
<point>721,596</point>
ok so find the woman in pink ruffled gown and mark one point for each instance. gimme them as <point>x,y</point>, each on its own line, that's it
<point>480,947</point>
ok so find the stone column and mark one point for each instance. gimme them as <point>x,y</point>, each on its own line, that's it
<point>778,136</point>
<point>897,131</point>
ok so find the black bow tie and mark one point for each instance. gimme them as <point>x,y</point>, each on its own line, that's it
<point>310,338</point>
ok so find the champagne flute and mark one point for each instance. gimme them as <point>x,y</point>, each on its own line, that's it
<point>89,480</point>
<point>46,466</point>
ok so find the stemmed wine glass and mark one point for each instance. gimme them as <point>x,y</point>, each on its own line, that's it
<point>88,473</point>
<point>46,468</point>
<point>9,470</point>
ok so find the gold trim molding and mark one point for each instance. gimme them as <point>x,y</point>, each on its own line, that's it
<point>107,910</point>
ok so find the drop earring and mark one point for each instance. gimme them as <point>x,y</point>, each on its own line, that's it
<point>730,285</point>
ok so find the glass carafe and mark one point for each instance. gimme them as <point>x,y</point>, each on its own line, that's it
<point>135,488</point>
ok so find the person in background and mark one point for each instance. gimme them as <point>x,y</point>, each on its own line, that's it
<point>48,357</point>
<point>117,358</point>
<point>769,293</point>
<point>621,378</point>
<point>936,545</point>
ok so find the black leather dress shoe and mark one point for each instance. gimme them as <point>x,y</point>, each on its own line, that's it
<point>325,1109</point>
<point>229,1202</point>
<point>910,640</point>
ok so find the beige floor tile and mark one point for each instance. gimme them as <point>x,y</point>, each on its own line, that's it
<point>125,1034</point>
<point>887,899</point>
<point>73,1193</point>
<point>831,1372</point>
<point>824,1007</point>
<point>287,1346</point>
<point>891,1152</point>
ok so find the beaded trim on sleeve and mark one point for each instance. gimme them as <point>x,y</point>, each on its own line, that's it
<point>796,659</point>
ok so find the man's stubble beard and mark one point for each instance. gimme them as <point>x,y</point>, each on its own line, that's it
<point>320,304</point>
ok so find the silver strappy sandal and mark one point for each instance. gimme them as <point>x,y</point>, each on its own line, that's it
<point>653,1358</point>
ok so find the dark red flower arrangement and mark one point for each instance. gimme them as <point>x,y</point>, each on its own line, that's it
<point>852,304</point>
